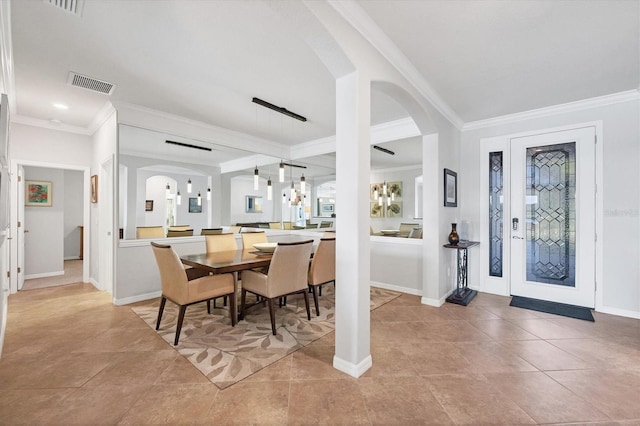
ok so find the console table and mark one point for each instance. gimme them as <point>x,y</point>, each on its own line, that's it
<point>463,294</point>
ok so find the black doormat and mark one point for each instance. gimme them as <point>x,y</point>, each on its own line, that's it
<point>572,311</point>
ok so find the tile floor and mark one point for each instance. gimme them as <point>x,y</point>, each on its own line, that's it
<point>71,357</point>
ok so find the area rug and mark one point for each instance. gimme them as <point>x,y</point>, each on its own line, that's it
<point>570,311</point>
<point>225,354</point>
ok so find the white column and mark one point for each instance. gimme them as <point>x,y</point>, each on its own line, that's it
<point>353,103</point>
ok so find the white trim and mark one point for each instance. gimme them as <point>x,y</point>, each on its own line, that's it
<point>615,98</point>
<point>7,77</point>
<point>101,117</point>
<point>138,298</point>
<point>72,258</point>
<point>363,23</point>
<point>436,302</point>
<point>44,275</point>
<point>95,283</point>
<point>599,267</point>
<point>354,370</point>
<point>394,130</point>
<point>617,311</point>
<point>398,169</point>
<point>46,124</point>
<point>397,288</point>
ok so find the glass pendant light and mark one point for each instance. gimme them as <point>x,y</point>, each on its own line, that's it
<point>303,185</point>
<point>293,190</point>
<point>168,190</point>
<point>284,198</point>
<point>281,172</point>
<point>384,188</point>
<point>375,192</point>
<point>199,199</point>
<point>208,194</point>
<point>380,200</point>
<point>256,179</point>
<point>393,196</point>
<point>189,186</point>
<point>269,190</point>
<point>178,197</point>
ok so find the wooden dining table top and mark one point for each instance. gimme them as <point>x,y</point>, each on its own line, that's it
<point>228,261</point>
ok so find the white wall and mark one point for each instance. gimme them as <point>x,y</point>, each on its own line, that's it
<point>73,190</point>
<point>241,186</point>
<point>44,241</point>
<point>619,292</point>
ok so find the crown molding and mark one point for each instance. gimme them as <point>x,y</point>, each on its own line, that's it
<point>101,117</point>
<point>139,116</point>
<point>45,124</point>
<point>600,101</point>
<point>362,22</point>
<point>7,78</point>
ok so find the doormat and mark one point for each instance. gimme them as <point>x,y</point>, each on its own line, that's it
<point>571,311</point>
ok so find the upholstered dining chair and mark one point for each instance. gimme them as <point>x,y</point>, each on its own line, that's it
<point>415,233</point>
<point>406,228</point>
<point>287,275</point>
<point>179,228</point>
<point>149,232</point>
<point>220,242</point>
<point>253,237</point>
<point>323,268</point>
<point>184,292</point>
<point>179,233</point>
<point>210,231</point>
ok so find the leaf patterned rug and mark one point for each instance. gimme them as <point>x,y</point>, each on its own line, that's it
<point>225,354</point>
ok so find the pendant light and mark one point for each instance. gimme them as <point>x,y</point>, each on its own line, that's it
<point>380,200</point>
<point>209,194</point>
<point>384,188</point>
<point>281,172</point>
<point>269,190</point>
<point>293,190</point>
<point>284,198</point>
<point>199,199</point>
<point>303,185</point>
<point>189,186</point>
<point>375,192</point>
<point>178,197</point>
<point>168,190</point>
<point>256,179</point>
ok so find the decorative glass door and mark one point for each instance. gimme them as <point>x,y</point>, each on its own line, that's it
<point>552,217</point>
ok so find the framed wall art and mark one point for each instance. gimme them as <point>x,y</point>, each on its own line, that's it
<point>148,206</point>
<point>193,206</point>
<point>450,188</point>
<point>38,193</point>
<point>94,188</point>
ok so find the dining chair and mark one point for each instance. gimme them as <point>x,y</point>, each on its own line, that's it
<point>179,228</point>
<point>210,231</point>
<point>235,229</point>
<point>287,275</point>
<point>406,228</point>
<point>415,233</point>
<point>179,233</point>
<point>323,268</point>
<point>149,232</point>
<point>275,225</point>
<point>220,242</point>
<point>326,224</point>
<point>177,287</point>
<point>253,237</point>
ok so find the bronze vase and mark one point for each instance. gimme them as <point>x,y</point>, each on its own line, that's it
<point>454,239</point>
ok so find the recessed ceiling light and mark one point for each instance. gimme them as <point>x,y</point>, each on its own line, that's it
<point>61,106</point>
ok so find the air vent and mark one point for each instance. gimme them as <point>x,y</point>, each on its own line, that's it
<point>73,7</point>
<point>90,83</point>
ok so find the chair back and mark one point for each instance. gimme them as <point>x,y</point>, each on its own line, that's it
<point>179,228</point>
<point>220,242</point>
<point>251,238</point>
<point>323,264</point>
<point>172,273</point>
<point>406,228</point>
<point>180,233</point>
<point>415,233</point>
<point>275,225</point>
<point>287,225</point>
<point>326,224</point>
<point>149,232</point>
<point>235,229</point>
<point>211,231</point>
<point>289,267</point>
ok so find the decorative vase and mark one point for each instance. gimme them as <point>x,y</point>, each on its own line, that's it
<point>453,236</point>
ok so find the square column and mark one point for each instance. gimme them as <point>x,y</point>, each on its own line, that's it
<point>353,133</point>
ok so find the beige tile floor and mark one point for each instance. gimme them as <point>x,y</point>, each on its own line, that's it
<point>71,357</point>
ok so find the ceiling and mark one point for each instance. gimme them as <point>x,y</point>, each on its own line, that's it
<point>206,60</point>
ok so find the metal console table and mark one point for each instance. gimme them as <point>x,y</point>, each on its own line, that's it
<point>463,294</point>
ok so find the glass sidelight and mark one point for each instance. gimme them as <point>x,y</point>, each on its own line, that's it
<point>550,222</point>
<point>496,213</point>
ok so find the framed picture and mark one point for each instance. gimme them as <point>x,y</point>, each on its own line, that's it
<point>38,193</point>
<point>193,206</point>
<point>94,188</point>
<point>253,204</point>
<point>148,206</point>
<point>450,188</point>
<point>396,189</point>
<point>327,208</point>
<point>376,210</point>
<point>394,209</point>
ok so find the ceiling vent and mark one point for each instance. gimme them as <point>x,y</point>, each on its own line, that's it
<point>73,7</point>
<point>90,83</point>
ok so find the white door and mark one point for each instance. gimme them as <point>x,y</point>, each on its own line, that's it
<point>553,217</point>
<point>105,226</point>
<point>21,228</point>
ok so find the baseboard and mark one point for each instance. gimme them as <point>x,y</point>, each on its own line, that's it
<point>138,298</point>
<point>619,312</point>
<point>73,258</point>
<point>436,302</point>
<point>354,370</point>
<point>397,288</point>
<point>45,275</point>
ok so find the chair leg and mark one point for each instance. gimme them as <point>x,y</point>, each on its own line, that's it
<point>315,299</point>
<point>272,314</point>
<point>319,290</point>
<point>163,301</point>
<point>224,301</point>
<point>306,302</point>
<point>233,311</point>
<point>209,305</point>
<point>183,308</point>
<point>243,300</point>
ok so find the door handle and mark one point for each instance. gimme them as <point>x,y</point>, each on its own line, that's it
<point>517,238</point>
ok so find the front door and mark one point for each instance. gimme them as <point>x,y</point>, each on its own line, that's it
<point>552,223</point>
